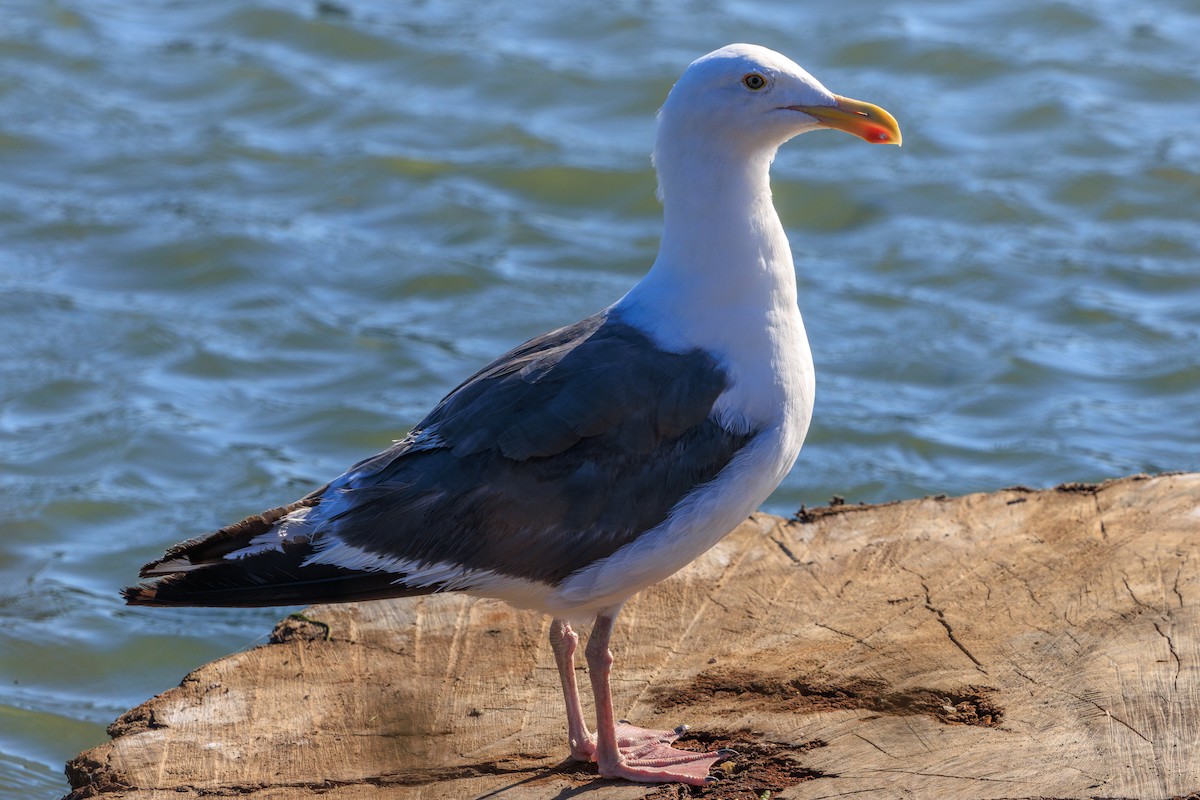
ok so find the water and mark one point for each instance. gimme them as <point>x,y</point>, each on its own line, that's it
<point>243,244</point>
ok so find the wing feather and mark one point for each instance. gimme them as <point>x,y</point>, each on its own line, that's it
<point>551,457</point>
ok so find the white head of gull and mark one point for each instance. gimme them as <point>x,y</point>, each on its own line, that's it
<point>597,459</point>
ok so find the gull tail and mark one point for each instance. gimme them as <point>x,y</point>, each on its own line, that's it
<point>260,561</point>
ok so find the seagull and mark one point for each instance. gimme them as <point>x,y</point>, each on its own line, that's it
<point>595,460</point>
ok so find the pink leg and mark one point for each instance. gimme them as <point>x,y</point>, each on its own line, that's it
<point>636,754</point>
<point>563,641</point>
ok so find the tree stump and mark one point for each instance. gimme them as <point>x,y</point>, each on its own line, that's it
<point>1019,644</point>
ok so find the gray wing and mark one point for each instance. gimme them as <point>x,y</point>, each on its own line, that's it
<point>551,457</point>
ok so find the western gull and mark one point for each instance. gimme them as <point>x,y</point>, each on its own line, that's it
<point>597,459</point>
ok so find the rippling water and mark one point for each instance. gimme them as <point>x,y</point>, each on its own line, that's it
<point>243,244</point>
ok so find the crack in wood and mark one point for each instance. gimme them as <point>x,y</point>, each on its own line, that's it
<point>1178,572</point>
<point>1007,570</point>
<point>877,747</point>
<point>1089,701</point>
<point>941,617</point>
<point>787,551</point>
<point>1136,600</point>
<point>1174,654</point>
<point>850,636</point>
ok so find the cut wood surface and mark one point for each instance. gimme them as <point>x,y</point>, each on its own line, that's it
<point>1019,644</point>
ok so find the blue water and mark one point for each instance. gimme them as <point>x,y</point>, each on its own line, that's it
<point>243,244</point>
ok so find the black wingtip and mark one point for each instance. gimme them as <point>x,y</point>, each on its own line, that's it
<point>141,595</point>
<point>269,578</point>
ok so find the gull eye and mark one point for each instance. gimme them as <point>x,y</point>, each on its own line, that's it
<point>754,82</point>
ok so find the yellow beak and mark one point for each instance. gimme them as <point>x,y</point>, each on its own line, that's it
<point>866,121</point>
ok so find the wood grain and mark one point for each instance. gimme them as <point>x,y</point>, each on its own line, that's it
<point>1017,644</point>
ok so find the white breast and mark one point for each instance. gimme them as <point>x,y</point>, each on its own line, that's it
<point>771,391</point>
